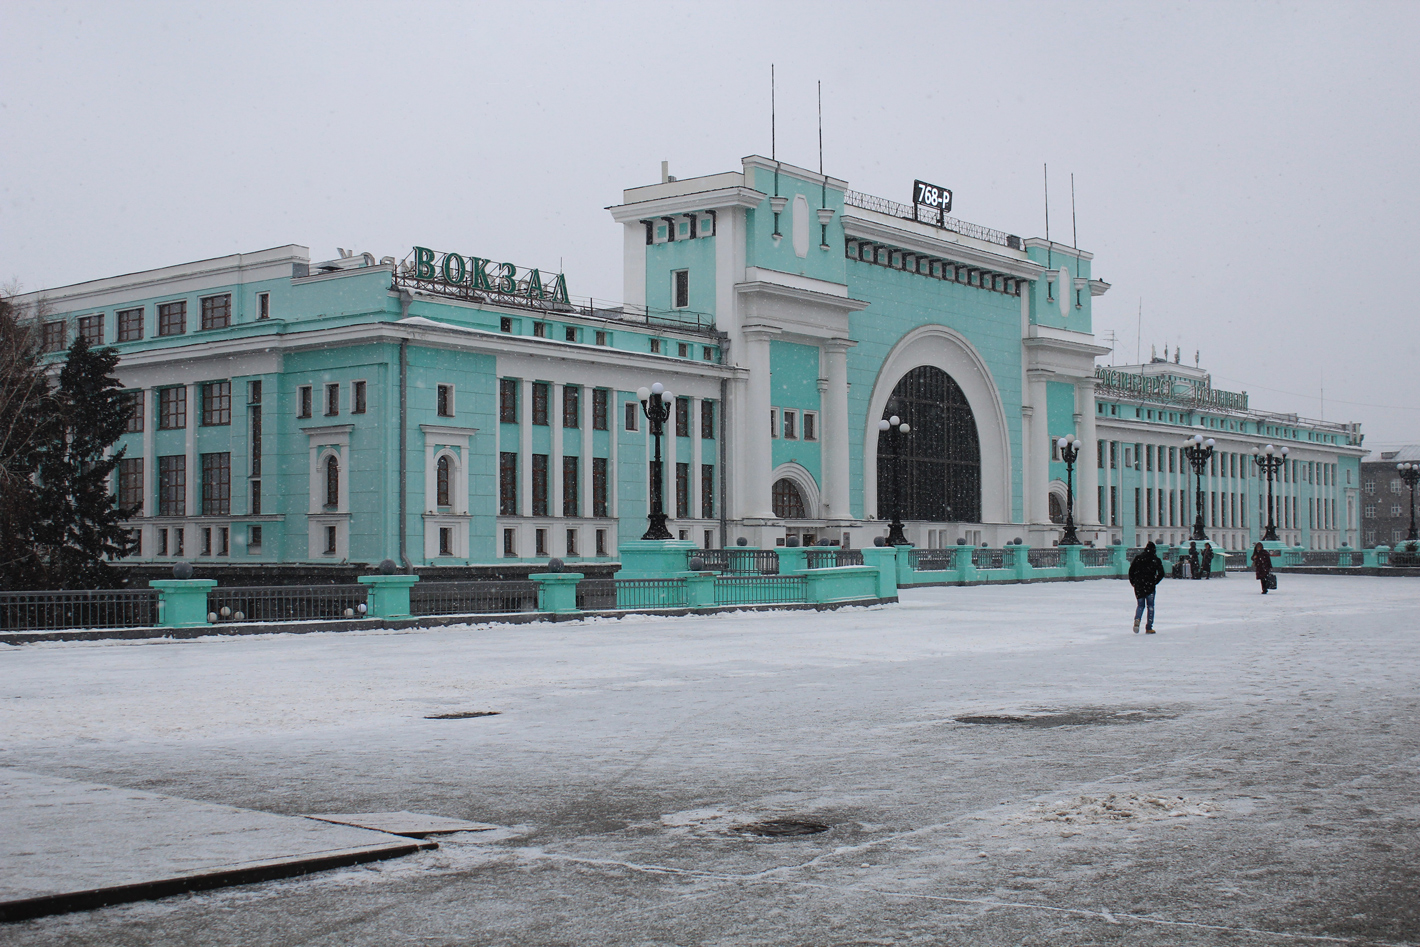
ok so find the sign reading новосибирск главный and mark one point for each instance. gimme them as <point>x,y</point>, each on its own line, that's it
<point>481,275</point>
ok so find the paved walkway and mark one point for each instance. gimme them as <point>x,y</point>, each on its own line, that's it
<point>69,845</point>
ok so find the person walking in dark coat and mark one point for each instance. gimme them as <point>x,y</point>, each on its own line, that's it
<point>1262,566</point>
<point>1194,571</point>
<point>1207,569</point>
<point>1145,572</point>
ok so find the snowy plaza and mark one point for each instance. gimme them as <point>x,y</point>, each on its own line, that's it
<point>993,765</point>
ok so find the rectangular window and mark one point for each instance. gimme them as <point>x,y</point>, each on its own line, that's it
<point>540,542</point>
<point>505,324</point>
<point>571,406</point>
<point>682,417</point>
<point>682,350</point>
<point>1148,506</point>
<point>130,483</point>
<point>539,484</point>
<point>217,311</point>
<point>773,422</point>
<point>510,543</point>
<point>570,333</point>
<point>172,318</point>
<point>206,540</point>
<point>810,426</point>
<point>507,483</point>
<point>1149,458</point>
<point>682,490</point>
<point>599,486</point>
<point>1113,454</point>
<point>601,542</point>
<point>303,401</point>
<point>330,540</point>
<point>791,419</point>
<point>1114,506</point>
<point>601,338</point>
<point>707,491</point>
<point>571,483</point>
<point>446,541</point>
<point>357,395</point>
<point>216,403</point>
<point>540,330</point>
<point>332,399</point>
<point>445,404</point>
<point>655,346</point>
<point>253,539</point>
<point>1138,456</point>
<point>572,543</point>
<point>162,542</point>
<point>1173,455</point>
<point>254,410</point>
<point>172,485</point>
<point>172,408</point>
<point>539,405</point>
<point>680,287</point>
<point>263,305</point>
<point>507,401</point>
<point>633,413</point>
<point>601,399</point>
<point>707,353</point>
<point>1099,449</point>
<point>136,411</point>
<point>92,328</point>
<point>1138,506</point>
<point>53,339</point>
<point>217,484</point>
<point>130,325</point>
<point>707,420</point>
<point>255,509</point>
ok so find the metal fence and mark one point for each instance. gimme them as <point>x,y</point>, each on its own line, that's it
<point>594,594</point>
<point>761,589</point>
<point>932,560</point>
<point>893,209</point>
<point>97,608</point>
<point>737,561</point>
<point>472,598</point>
<point>1096,555</point>
<point>650,593</point>
<point>285,602</point>
<point>1045,558</point>
<point>831,557</point>
<point>984,558</point>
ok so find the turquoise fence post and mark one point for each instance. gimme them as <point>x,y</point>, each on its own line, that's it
<point>388,595</point>
<point>884,559</point>
<point>654,558</point>
<point>556,591</point>
<point>1022,563</point>
<point>700,589</point>
<point>841,584</point>
<point>792,560</point>
<point>965,567</point>
<point>1119,558</point>
<point>182,603</point>
<point>1074,568</point>
<point>905,571</point>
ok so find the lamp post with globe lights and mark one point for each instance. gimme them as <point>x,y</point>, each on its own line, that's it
<point>1269,460</point>
<point>1069,452</point>
<point>1198,451</point>
<point>1410,473</point>
<point>656,404</point>
<point>898,429</point>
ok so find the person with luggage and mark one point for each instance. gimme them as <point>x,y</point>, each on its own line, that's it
<point>1262,568</point>
<point>1145,573</point>
<point>1207,564</point>
<point>1194,572</point>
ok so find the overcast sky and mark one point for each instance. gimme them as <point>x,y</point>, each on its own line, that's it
<point>1247,171</point>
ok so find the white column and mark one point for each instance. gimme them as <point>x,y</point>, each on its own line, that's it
<point>584,466</point>
<point>150,460</point>
<point>835,428</point>
<point>524,448</point>
<point>668,456</point>
<point>697,405</point>
<point>1090,512</point>
<point>756,455</point>
<point>554,462</point>
<point>1035,479</point>
<point>194,472</point>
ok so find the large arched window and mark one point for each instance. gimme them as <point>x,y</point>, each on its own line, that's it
<point>937,466</point>
<point>442,482</point>
<point>788,501</point>
<point>332,482</point>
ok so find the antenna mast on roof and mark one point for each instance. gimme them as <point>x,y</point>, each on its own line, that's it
<point>1074,235</point>
<point>1049,262</point>
<point>773,129</point>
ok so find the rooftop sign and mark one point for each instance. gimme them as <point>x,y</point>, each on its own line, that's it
<point>1169,389</point>
<point>468,277</point>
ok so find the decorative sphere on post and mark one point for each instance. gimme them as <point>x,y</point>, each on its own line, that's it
<point>182,570</point>
<point>387,567</point>
<point>742,541</point>
<point>696,564</point>
<point>555,565</point>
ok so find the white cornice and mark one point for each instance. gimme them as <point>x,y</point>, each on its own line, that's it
<point>1075,346</point>
<point>1054,247</point>
<point>719,199</point>
<point>863,229</point>
<point>760,274</point>
<point>444,430</point>
<point>829,301</point>
<point>803,174</point>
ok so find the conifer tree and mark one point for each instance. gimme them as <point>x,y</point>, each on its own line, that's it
<point>80,523</point>
<point>26,415</point>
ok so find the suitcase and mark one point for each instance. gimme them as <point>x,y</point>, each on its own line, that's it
<point>1271,581</point>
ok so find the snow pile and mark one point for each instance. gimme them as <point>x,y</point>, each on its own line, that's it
<point>1117,807</point>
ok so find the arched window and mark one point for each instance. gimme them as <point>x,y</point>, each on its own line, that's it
<point>332,481</point>
<point>937,466</point>
<point>442,489</point>
<point>788,501</point>
<point>1057,508</point>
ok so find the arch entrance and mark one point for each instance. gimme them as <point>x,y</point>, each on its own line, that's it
<point>940,474</point>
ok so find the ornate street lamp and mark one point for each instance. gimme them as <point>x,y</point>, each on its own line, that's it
<point>1069,452</point>
<point>1410,473</point>
<point>1197,450</point>
<point>656,405</point>
<point>1270,461</point>
<point>898,429</point>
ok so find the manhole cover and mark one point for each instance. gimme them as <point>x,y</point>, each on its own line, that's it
<point>779,828</point>
<point>464,715</point>
<point>1067,718</point>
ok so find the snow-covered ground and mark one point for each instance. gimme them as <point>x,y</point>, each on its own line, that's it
<point>1247,775</point>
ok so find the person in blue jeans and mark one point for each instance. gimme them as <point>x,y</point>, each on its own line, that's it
<point>1145,573</point>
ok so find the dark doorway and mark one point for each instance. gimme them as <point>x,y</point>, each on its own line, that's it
<point>941,456</point>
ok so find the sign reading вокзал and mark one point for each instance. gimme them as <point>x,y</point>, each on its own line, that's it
<point>481,275</point>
